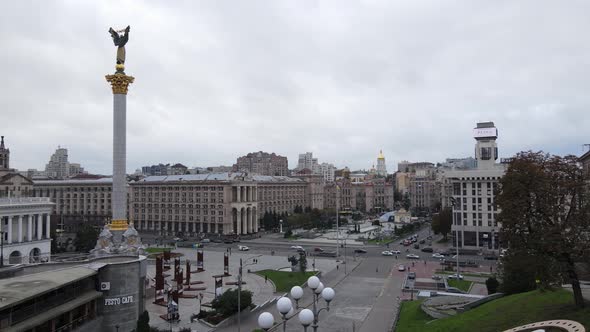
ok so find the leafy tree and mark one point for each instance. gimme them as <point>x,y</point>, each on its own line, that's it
<point>545,214</point>
<point>517,271</point>
<point>302,262</point>
<point>86,238</point>
<point>288,234</point>
<point>397,196</point>
<point>227,303</point>
<point>406,202</point>
<point>492,285</point>
<point>143,323</point>
<point>442,222</point>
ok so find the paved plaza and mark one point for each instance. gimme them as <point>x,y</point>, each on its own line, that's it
<point>213,264</point>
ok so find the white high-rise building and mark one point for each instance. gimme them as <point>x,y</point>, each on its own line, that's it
<point>306,160</point>
<point>327,171</point>
<point>473,192</point>
<point>58,166</point>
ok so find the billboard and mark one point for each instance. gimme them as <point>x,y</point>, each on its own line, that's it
<point>485,132</point>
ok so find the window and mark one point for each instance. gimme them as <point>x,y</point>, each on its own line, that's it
<point>486,153</point>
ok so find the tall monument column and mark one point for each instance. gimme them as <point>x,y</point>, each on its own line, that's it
<point>119,83</point>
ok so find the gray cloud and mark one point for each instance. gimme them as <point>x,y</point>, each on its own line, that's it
<point>218,79</point>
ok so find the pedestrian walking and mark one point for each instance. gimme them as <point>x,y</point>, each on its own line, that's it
<point>424,262</point>
<point>337,267</point>
<point>412,264</point>
<point>265,278</point>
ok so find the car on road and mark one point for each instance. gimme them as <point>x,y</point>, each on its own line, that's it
<point>326,254</point>
<point>229,241</point>
<point>455,276</point>
<point>427,249</point>
<point>401,268</point>
<point>436,277</point>
<point>422,241</point>
<point>437,255</point>
<point>395,252</point>
<point>318,249</point>
<point>416,246</point>
<point>177,239</point>
<point>429,237</point>
<point>412,275</point>
<point>386,253</point>
<point>205,240</point>
<point>412,256</point>
<point>297,247</point>
<point>360,251</point>
<point>216,241</point>
<point>243,248</point>
<point>491,258</point>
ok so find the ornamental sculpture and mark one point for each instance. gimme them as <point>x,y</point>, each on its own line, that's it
<point>120,41</point>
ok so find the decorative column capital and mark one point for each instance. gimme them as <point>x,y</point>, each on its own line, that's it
<point>119,82</point>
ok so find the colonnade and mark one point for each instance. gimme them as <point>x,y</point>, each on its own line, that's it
<point>15,231</point>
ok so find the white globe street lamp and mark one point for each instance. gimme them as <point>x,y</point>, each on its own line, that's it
<point>313,282</point>
<point>284,306</point>
<point>296,294</point>
<point>306,317</point>
<point>266,321</point>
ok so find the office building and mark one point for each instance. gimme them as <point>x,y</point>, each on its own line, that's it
<point>262,163</point>
<point>473,191</point>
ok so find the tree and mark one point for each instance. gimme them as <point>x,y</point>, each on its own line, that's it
<point>302,262</point>
<point>86,238</point>
<point>143,323</point>
<point>492,285</point>
<point>442,222</point>
<point>406,202</point>
<point>545,214</point>
<point>227,303</point>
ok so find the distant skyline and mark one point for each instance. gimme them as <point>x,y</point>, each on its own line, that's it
<point>216,80</point>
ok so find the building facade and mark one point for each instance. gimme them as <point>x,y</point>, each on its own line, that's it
<point>263,163</point>
<point>222,203</point>
<point>474,191</point>
<point>78,202</point>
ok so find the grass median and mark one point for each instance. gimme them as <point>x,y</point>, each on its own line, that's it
<point>284,280</point>
<point>463,285</point>
<point>497,315</point>
<point>155,250</point>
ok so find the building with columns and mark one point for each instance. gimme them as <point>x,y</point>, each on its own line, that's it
<point>24,221</point>
<point>221,203</point>
<point>26,229</point>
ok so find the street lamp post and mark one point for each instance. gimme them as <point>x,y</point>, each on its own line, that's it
<point>337,222</point>
<point>306,317</point>
<point>453,203</point>
<point>240,292</point>
<point>2,246</point>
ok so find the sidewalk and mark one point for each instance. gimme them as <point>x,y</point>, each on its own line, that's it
<point>330,279</point>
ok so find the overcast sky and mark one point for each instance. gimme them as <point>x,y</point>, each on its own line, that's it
<point>342,79</point>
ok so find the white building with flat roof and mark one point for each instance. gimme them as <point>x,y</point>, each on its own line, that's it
<point>473,192</point>
<point>25,229</point>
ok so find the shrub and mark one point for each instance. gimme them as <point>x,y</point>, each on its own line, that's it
<point>227,303</point>
<point>492,285</point>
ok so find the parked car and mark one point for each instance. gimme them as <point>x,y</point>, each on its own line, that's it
<point>416,246</point>
<point>412,256</point>
<point>401,268</point>
<point>491,257</point>
<point>395,252</point>
<point>318,249</point>
<point>429,237</point>
<point>386,253</point>
<point>427,249</point>
<point>455,276</point>
<point>228,241</point>
<point>216,241</point>
<point>422,241</point>
<point>360,251</point>
<point>437,255</point>
<point>412,275</point>
<point>243,248</point>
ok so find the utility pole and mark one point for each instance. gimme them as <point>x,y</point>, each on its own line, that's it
<point>337,225</point>
<point>453,203</point>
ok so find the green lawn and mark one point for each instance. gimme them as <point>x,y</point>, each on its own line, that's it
<point>153,250</point>
<point>461,284</point>
<point>285,280</point>
<point>498,315</point>
<point>375,241</point>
